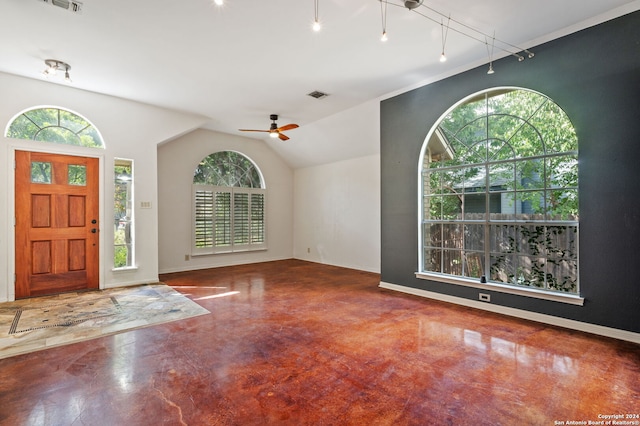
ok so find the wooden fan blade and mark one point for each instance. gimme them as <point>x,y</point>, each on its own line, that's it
<point>252,130</point>
<point>288,127</point>
<point>283,137</point>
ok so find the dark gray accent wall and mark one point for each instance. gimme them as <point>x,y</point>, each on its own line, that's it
<point>594,75</point>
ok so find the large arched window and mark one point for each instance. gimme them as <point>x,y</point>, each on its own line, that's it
<point>228,205</point>
<point>54,125</point>
<point>499,194</point>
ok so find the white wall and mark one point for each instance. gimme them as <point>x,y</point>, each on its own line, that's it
<point>337,213</point>
<point>337,204</point>
<point>177,161</point>
<point>129,129</point>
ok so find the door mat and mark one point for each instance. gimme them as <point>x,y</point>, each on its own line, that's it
<point>43,322</point>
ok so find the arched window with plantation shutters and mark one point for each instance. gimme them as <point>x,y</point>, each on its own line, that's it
<point>228,205</point>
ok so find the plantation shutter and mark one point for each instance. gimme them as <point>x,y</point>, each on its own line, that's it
<point>222,219</point>
<point>257,218</point>
<point>240,218</point>
<point>228,219</point>
<point>203,227</point>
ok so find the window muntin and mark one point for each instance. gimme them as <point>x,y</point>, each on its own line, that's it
<point>499,193</point>
<point>123,215</point>
<point>54,125</point>
<point>229,205</point>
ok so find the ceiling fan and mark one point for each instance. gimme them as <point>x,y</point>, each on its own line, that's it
<point>275,131</point>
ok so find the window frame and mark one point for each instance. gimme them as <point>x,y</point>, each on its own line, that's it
<point>129,210</point>
<point>485,283</point>
<point>88,128</point>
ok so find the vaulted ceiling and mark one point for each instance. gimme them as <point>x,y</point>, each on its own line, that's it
<point>238,63</point>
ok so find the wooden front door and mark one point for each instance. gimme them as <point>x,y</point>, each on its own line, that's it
<point>56,223</point>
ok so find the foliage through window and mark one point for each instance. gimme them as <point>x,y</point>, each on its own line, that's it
<point>123,220</point>
<point>500,193</point>
<point>229,205</point>
<point>54,125</point>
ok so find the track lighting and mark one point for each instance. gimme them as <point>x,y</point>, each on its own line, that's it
<point>383,12</point>
<point>444,33</point>
<point>490,53</point>
<point>52,67</point>
<point>422,8</point>
<point>316,21</point>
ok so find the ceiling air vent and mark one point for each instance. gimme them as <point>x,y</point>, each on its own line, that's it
<point>70,5</point>
<point>317,94</point>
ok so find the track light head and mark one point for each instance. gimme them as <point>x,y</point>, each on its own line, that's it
<point>53,65</point>
<point>412,4</point>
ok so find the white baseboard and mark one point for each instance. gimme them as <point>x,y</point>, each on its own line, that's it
<point>519,313</point>
<point>131,283</point>
<point>188,268</point>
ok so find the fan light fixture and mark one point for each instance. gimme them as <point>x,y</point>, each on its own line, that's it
<point>52,67</point>
<point>275,131</point>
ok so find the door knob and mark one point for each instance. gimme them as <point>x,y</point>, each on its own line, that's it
<point>94,230</point>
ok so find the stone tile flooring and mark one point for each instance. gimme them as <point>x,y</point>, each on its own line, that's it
<point>44,322</point>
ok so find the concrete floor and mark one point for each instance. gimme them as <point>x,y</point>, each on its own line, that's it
<point>298,343</point>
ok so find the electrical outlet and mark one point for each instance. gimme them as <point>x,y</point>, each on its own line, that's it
<point>187,257</point>
<point>484,297</point>
<point>308,249</point>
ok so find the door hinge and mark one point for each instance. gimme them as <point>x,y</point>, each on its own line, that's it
<point>15,278</point>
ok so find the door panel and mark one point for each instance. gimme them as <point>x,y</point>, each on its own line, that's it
<point>56,241</point>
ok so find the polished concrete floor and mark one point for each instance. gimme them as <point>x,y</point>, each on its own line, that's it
<point>297,343</point>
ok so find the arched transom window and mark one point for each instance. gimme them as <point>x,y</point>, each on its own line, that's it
<point>228,205</point>
<point>499,194</point>
<point>54,125</point>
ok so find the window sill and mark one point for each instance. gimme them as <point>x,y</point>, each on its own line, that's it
<point>237,251</point>
<point>528,292</point>
<point>125,269</point>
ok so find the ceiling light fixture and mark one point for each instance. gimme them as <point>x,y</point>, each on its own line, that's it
<point>219,2</point>
<point>383,12</point>
<point>418,7</point>
<point>444,33</point>
<point>490,53</point>
<point>52,67</point>
<point>412,4</point>
<point>316,22</point>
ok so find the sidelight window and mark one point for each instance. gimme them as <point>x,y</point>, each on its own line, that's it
<point>123,215</point>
